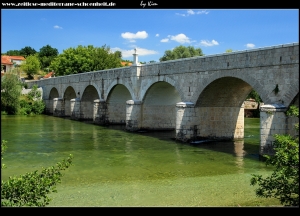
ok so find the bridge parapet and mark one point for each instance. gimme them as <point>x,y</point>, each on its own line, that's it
<point>147,96</point>
<point>261,57</point>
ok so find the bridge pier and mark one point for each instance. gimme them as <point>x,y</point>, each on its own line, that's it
<point>75,108</point>
<point>186,121</point>
<point>100,112</point>
<point>58,107</point>
<point>272,121</point>
<point>133,115</point>
<point>48,106</point>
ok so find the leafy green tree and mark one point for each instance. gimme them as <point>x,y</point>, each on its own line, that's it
<point>13,53</point>
<point>254,95</point>
<point>32,103</point>
<point>31,66</point>
<point>27,51</point>
<point>85,59</point>
<point>46,55</point>
<point>118,54</point>
<point>283,183</point>
<point>11,88</point>
<point>181,52</point>
<point>33,188</point>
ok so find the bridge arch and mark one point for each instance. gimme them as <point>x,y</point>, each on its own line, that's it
<point>159,106</point>
<point>147,83</point>
<point>256,85</point>
<point>83,88</point>
<point>53,93</point>
<point>121,82</point>
<point>90,94</point>
<point>69,93</point>
<point>116,104</point>
<point>220,108</point>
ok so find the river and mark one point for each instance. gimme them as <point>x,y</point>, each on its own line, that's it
<point>114,168</point>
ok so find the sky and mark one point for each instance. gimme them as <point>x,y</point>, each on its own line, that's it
<point>150,31</point>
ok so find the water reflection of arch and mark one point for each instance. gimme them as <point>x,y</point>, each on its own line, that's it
<point>69,94</point>
<point>90,94</point>
<point>220,108</point>
<point>49,102</point>
<point>116,104</point>
<point>159,106</point>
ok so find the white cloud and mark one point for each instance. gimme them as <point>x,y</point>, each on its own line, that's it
<point>180,38</point>
<point>192,12</point>
<point>250,45</point>
<point>140,52</point>
<point>157,35</point>
<point>57,27</point>
<point>164,40</point>
<point>131,36</point>
<point>209,43</point>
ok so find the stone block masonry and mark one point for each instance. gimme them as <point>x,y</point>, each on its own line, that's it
<point>196,97</point>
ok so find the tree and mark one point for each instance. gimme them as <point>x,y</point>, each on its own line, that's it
<point>31,66</point>
<point>254,95</point>
<point>229,51</point>
<point>32,189</point>
<point>181,52</point>
<point>283,183</point>
<point>32,102</point>
<point>27,51</point>
<point>46,55</point>
<point>13,53</point>
<point>85,59</point>
<point>118,54</point>
<point>11,88</point>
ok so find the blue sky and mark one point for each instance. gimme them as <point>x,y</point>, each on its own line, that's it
<point>150,31</point>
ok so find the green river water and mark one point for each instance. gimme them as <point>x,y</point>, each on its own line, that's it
<point>114,168</point>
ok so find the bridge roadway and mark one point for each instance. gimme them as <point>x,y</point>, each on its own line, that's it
<point>196,97</point>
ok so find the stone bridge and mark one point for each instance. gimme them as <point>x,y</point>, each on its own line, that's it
<point>199,97</point>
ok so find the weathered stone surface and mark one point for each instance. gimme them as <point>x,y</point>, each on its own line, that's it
<point>200,96</point>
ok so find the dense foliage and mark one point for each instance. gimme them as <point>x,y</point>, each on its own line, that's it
<point>283,183</point>
<point>14,103</point>
<point>31,66</point>
<point>46,56</point>
<point>11,88</point>
<point>32,102</point>
<point>254,95</point>
<point>85,59</point>
<point>33,188</point>
<point>13,53</point>
<point>181,52</point>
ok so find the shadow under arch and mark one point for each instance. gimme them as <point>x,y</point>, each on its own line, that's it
<point>159,107</point>
<point>90,94</point>
<point>220,109</point>
<point>116,104</point>
<point>49,102</point>
<point>68,95</point>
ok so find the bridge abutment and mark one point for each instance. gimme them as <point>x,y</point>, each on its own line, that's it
<point>133,115</point>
